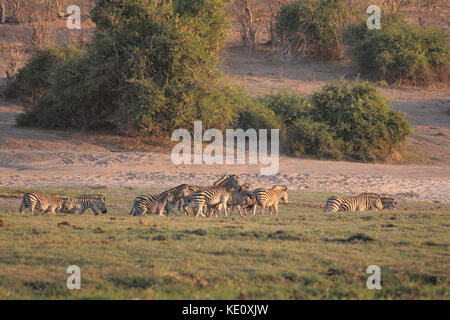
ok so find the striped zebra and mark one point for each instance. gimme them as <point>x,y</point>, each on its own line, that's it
<point>34,200</point>
<point>78,205</point>
<point>270,198</point>
<point>388,202</point>
<point>142,204</point>
<point>239,200</point>
<point>192,189</point>
<point>361,202</point>
<point>159,205</point>
<point>215,195</point>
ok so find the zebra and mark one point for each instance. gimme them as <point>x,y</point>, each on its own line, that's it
<point>269,198</point>
<point>142,203</point>
<point>239,200</point>
<point>80,204</point>
<point>388,202</point>
<point>192,189</point>
<point>361,202</point>
<point>160,205</point>
<point>34,200</point>
<point>215,195</point>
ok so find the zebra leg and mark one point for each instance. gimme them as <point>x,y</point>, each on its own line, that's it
<point>23,206</point>
<point>275,208</point>
<point>254,209</point>
<point>239,209</point>
<point>199,211</point>
<point>262,209</point>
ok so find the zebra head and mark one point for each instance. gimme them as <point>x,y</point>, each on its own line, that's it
<point>100,204</point>
<point>388,202</point>
<point>67,205</point>
<point>377,203</point>
<point>284,193</point>
<point>231,183</point>
<point>245,187</point>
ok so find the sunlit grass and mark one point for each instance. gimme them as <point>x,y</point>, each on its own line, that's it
<point>301,254</point>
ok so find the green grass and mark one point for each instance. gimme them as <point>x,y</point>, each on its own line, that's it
<point>296,255</point>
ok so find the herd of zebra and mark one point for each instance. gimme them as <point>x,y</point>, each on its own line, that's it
<point>222,197</point>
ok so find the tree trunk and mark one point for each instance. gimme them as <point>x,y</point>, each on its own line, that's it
<point>2,11</point>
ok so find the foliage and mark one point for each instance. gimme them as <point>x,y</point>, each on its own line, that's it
<point>149,69</point>
<point>341,121</point>
<point>312,27</point>
<point>399,52</point>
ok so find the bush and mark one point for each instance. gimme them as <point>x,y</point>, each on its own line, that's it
<point>32,81</point>
<point>341,121</point>
<point>149,69</point>
<point>313,27</point>
<point>399,52</point>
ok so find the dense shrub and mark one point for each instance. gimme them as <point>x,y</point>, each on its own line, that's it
<point>33,80</point>
<point>399,52</point>
<point>149,69</point>
<point>341,121</point>
<point>313,27</point>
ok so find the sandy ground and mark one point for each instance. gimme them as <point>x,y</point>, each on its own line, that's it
<point>31,157</point>
<point>35,158</point>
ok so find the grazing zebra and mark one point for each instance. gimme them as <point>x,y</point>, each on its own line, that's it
<point>361,202</point>
<point>80,204</point>
<point>388,202</point>
<point>160,204</point>
<point>269,198</point>
<point>34,200</point>
<point>215,195</point>
<point>142,203</point>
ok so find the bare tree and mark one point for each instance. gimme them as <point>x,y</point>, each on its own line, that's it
<point>245,12</point>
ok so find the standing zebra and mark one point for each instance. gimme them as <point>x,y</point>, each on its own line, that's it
<point>215,195</point>
<point>270,198</point>
<point>187,198</point>
<point>361,202</point>
<point>239,200</point>
<point>34,200</point>
<point>80,204</point>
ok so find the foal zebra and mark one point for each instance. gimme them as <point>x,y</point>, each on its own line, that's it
<point>361,202</point>
<point>269,198</point>
<point>80,204</point>
<point>34,200</point>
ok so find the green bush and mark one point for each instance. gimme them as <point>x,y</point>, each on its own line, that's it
<point>313,27</point>
<point>149,69</point>
<point>32,81</point>
<point>341,121</point>
<point>399,52</point>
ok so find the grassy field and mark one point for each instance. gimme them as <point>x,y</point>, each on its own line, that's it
<point>303,253</point>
